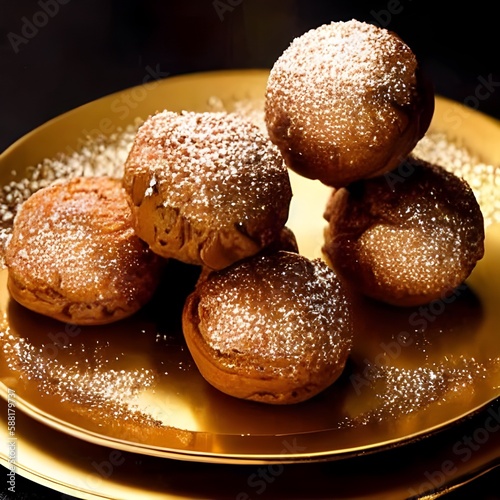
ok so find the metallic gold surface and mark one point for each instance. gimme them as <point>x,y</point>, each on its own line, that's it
<point>132,385</point>
<point>427,468</point>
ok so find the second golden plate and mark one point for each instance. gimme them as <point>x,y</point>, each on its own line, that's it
<point>133,385</point>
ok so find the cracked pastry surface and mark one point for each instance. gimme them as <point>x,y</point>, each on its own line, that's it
<point>408,237</point>
<point>74,255</point>
<point>206,188</point>
<point>274,328</point>
<point>347,101</point>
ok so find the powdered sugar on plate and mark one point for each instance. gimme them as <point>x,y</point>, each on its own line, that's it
<point>98,156</point>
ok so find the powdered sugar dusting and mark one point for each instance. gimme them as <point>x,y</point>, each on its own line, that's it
<point>418,238</point>
<point>402,392</point>
<point>206,165</point>
<point>73,243</point>
<point>327,77</point>
<point>86,383</point>
<point>482,177</point>
<point>252,108</point>
<point>97,156</point>
<point>281,313</point>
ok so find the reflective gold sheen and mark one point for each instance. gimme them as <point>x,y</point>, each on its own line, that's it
<point>132,386</point>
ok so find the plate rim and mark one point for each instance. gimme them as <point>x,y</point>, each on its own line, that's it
<point>214,457</point>
<point>234,458</point>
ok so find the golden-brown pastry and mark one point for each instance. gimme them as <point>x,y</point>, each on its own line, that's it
<point>347,101</point>
<point>286,241</point>
<point>405,240</point>
<point>206,188</point>
<point>74,255</point>
<point>274,328</point>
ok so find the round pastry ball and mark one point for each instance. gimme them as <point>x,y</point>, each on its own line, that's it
<point>274,328</point>
<point>74,255</point>
<point>405,239</point>
<point>347,101</point>
<point>206,188</point>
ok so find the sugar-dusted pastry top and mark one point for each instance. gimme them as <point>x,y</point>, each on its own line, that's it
<point>206,188</point>
<point>346,101</point>
<point>74,255</point>
<point>406,241</point>
<point>274,327</point>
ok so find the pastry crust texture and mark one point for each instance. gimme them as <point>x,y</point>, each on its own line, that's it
<point>347,101</point>
<point>274,328</point>
<point>206,188</point>
<point>74,255</point>
<point>405,240</point>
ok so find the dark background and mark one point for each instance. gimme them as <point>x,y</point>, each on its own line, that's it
<point>58,54</point>
<point>69,52</point>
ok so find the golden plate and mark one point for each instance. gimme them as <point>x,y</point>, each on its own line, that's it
<point>132,386</point>
<point>425,469</point>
